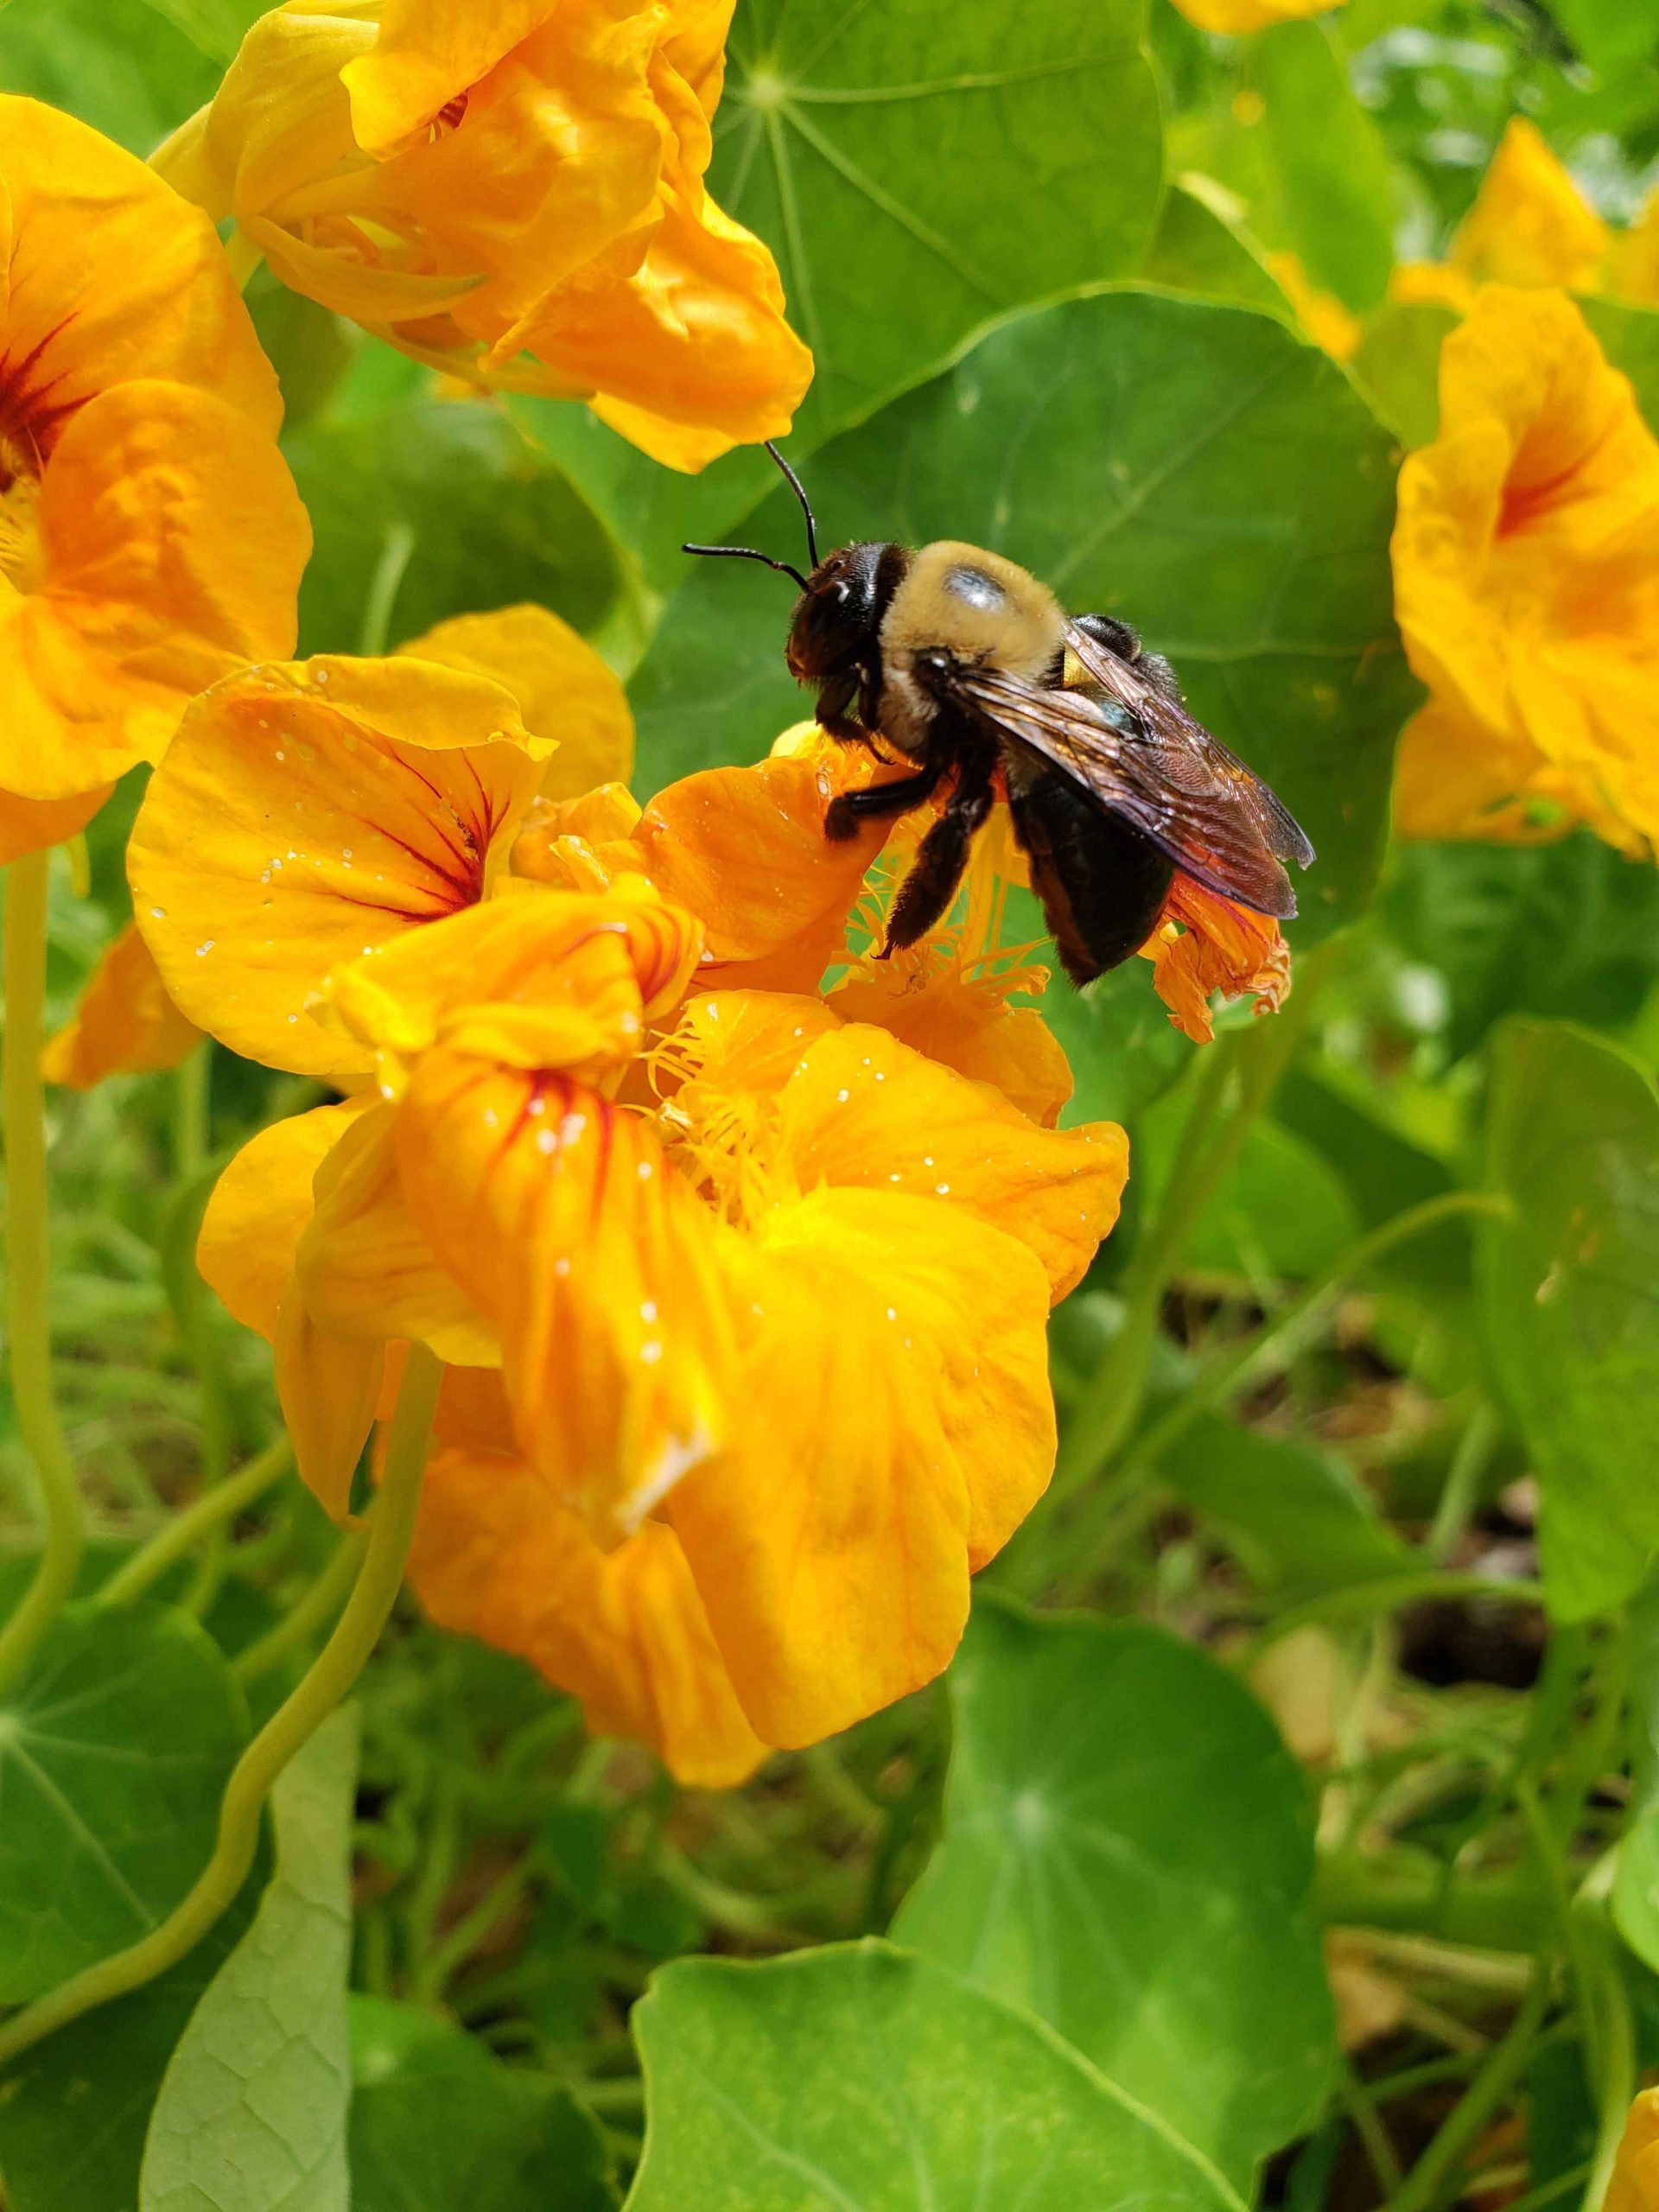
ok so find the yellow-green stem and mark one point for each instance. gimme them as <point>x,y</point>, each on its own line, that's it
<point>186,1529</point>
<point>1434,2181</point>
<point>337,1666</point>
<point>27,1285</point>
<point>309,1612</point>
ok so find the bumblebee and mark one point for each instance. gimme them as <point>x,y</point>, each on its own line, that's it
<point>963,665</point>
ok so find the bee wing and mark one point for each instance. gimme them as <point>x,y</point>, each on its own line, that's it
<point>1195,806</point>
<point>1168,724</point>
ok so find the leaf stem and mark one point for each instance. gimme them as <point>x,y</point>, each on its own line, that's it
<point>1355,1600</point>
<point>22,1112</point>
<point>316,1605</point>
<point>208,1512</point>
<point>391,1529</point>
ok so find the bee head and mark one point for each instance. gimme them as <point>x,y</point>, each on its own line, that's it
<point>837,621</point>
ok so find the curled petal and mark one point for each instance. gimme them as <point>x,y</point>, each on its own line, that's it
<point>124,1024</point>
<point>330,1387</point>
<point>28,824</point>
<point>362,1267</point>
<point>895,1426</point>
<point>958,1014</point>
<point>564,691</point>
<point>558,1214</point>
<point>496,1556</point>
<point>308,812</point>
<point>168,542</point>
<point>1204,943</point>
<point>427,51</point>
<point>545,980</point>
<point>259,1209</point>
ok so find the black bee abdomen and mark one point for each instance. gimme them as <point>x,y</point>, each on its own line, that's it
<point>1102,883</point>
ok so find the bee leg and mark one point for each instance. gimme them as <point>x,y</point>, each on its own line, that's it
<point>880,803</point>
<point>925,894</point>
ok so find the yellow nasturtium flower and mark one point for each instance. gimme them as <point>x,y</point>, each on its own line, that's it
<point>1526,568</point>
<point>1251,14</point>
<point>1321,314</point>
<point>743,1300</point>
<point>1634,2186</point>
<point>1529,225</point>
<point>151,537</point>
<point>513,194</point>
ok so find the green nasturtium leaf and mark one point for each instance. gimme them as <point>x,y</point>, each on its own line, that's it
<point>1293,1515</point>
<point>439,2125</point>
<point>1383,1171</point>
<point>1280,1213</point>
<point>1569,930</point>
<point>74,2109</point>
<point>857,2075</point>
<point>917,168</point>
<point>1192,467</point>
<point>115,1748</point>
<point>252,2109</point>
<point>1398,365</point>
<point>1331,165</point>
<point>453,491</point>
<point>1567,1284</point>
<point>1194,250</point>
<point>1127,1852</point>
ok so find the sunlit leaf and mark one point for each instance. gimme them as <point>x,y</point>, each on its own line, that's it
<point>439,2125</point>
<point>1193,251</point>
<point>858,2075</point>
<point>1193,468</point>
<point>917,169</point>
<point>252,2112</point>
<point>133,68</point>
<point>1568,1286</point>
<point>1331,167</point>
<point>1089,1871</point>
<point>114,1748</point>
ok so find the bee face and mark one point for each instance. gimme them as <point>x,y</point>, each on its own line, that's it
<point>838,617</point>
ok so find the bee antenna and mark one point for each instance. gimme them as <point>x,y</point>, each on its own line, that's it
<point>799,490</point>
<point>747,553</point>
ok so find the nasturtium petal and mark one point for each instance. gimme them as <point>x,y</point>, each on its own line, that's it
<point>26,824</point>
<point>124,1024</point>
<point>892,1426</point>
<point>91,226</point>
<point>362,1267</point>
<point>427,52</point>
<point>935,1000</point>
<point>169,544</point>
<point>564,691</point>
<point>863,1110</point>
<point>744,850</point>
<point>260,1206</point>
<point>329,1386</point>
<point>307,813</point>
<point>544,980</point>
<point>557,1212</point>
<point>497,1555</point>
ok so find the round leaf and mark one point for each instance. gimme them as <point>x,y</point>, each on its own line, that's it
<point>918,168</point>
<point>1193,468</point>
<point>114,1750</point>
<point>1128,1851</point>
<point>856,2076</point>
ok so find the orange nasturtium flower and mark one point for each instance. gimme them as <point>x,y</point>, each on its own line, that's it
<point>743,1300</point>
<point>1634,2184</point>
<point>125,1022</point>
<point>514,194</point>
<point>1526,568</point>
<point>1529,225</point>
<point>151,537</point>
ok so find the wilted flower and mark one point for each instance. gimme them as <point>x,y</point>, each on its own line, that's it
<point>513,195</point>
<point>744,1302</point>
<point>126,1021</point>
<point>151,537</point>
<point>1526,564</point>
